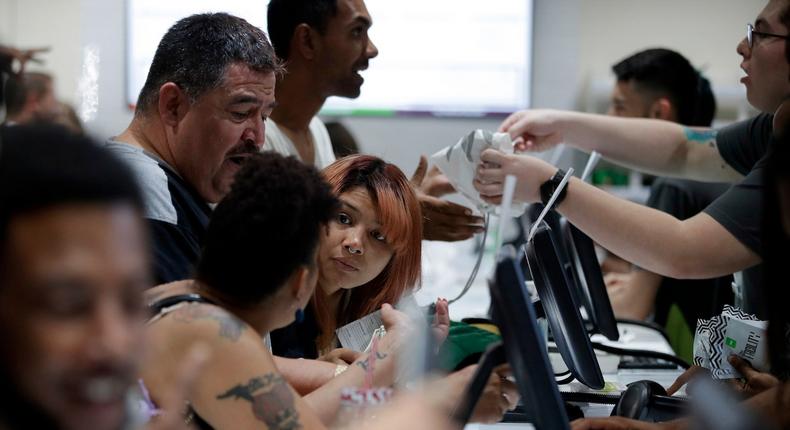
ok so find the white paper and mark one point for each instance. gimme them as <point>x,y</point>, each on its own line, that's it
<point>356,335</point>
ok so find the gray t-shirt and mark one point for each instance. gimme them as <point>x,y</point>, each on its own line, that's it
<point>744,146</point>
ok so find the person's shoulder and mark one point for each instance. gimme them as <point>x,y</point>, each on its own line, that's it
<point>325,154</point>
<point>151,178</point>
<point>317,125</point>
<point>759,126</point>
<point>275,139</point>
<point>207,323</point>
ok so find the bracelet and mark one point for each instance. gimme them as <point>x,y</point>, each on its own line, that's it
<point>340,369</point>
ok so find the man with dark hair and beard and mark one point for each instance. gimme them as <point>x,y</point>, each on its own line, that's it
<point>325,45</point>
<point>201,112</point>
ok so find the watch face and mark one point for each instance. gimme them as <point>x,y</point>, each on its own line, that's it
<point>548,187</point>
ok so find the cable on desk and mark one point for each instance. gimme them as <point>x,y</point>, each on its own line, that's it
<point>565,381</point>
<point>597,398</point>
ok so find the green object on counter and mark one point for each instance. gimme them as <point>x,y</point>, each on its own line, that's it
<point>464,345</point>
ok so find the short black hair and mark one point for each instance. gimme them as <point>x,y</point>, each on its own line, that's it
<point>264,229</point>
<point>196,51</point>
<point>669,73</point>
<point>46,166</point>
<point>283,16</point>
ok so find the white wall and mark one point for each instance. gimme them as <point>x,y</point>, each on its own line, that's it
<point>576,41</point>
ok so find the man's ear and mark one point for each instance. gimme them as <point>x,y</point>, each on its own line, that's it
<point>173,104</point>
<point>662,109</point>
<point>305,41</point>
<point>301,283</point>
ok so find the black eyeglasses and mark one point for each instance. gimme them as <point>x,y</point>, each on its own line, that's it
<point>750,33</point>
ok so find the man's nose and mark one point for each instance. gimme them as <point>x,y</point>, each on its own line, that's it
<point>256,133</point>
<point>371,51</point>
<point>113,334</point>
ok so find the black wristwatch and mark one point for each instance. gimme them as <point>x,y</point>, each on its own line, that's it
<point>548,187</point>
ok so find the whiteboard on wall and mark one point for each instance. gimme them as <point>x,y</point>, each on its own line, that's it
<point>436,57</point>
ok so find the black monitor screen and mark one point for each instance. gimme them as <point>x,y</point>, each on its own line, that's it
<point>561,310</point>
<point>525,347</point>
<point>588,277</point>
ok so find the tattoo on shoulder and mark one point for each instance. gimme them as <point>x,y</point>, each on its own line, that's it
<point>365,364</point>
<point>271,399</point>
<point>701,136</point>
<point>230,327</point>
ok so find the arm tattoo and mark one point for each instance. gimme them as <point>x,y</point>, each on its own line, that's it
<point>701,136</point>
<point>230,327</point>
<point>272,401</point>
<point>364,364</point>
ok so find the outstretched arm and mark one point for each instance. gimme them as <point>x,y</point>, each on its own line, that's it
<point>698,247</point>
<point>659,147</point>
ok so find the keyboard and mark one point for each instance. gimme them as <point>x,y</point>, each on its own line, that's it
<point>628,362</point>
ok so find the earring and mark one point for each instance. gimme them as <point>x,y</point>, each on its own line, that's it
<point>299,315</point>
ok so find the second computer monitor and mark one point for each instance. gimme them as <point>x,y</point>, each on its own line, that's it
<point>562,312</point>
<point>587,275</point>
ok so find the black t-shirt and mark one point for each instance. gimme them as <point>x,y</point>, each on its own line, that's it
<point>696,298</point>
<point>176,214</point>
<point>177,246</point>
<point>744,146</point>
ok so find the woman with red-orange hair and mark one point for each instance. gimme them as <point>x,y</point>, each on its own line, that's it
<point>369,255</point>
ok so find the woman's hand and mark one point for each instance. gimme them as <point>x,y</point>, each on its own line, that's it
<point>340,356</point>
<point>690,373</point>
<point>533,130</point>
<point>753,381</point>
<point>499,396</point>
<point>530,173</point>
<point>441,322</point>
<point>442,219</point>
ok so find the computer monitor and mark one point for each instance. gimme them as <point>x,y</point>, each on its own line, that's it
<point>587,275</point>
<point>552,219</point>
<point>562,312</point>
<point>522,346</point>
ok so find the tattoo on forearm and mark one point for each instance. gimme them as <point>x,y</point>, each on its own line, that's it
<point>704,137</point>
<point>365,364</point>
<point>272,401</point>
<point>230,327</point>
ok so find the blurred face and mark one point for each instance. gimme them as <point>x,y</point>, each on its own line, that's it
<point>71,311</point>
<point>764,63</point>
<point>354,251</point>
<point>346,49</point>
<point>627,102</point>
<point>221,129</point>
<point>47,107</point>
